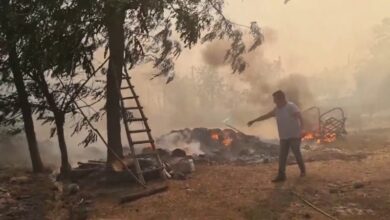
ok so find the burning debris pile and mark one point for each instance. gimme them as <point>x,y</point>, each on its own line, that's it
<point>219,145</point>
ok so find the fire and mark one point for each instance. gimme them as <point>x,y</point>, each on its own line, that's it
<point>312,136</point>
<point>215,136</point>
<point>224,138</point>
<point>329,138</point>
<point>227,141</point>
<point>309,136</point>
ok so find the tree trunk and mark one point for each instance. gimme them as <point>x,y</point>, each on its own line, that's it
<point>36,161</point>
<point>114,22</point>
<point>60,121</point>
<point>28,125</point>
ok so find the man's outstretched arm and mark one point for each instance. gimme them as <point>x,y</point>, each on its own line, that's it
<point>262,118</point>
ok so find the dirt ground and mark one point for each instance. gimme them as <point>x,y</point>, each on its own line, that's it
<point>23,195</point>
<point>232,192</point>
<point>348,179</point>
<point>354,184</point>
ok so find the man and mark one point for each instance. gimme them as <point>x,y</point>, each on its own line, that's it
<point>289,121</point>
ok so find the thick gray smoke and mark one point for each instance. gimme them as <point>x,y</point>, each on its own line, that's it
<point>206,95</point>
<point>262,76</point>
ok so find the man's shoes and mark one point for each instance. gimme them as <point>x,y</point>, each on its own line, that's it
<point>278,179</point>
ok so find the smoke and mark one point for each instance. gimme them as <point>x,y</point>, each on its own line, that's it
<point>15,150</point>
<point>262,76</point>
<point>181,140</point>
<point>360,85</point>
<point>204,93</point>
<point>271,35</point>
<point>297,90</point>
<point>214,54</point>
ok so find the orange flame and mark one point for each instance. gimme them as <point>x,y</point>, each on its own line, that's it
<point>227,141</point>
<point>312,136</point>
<point>215,136</point>
<point>329,138</point>
<point>308,136</point>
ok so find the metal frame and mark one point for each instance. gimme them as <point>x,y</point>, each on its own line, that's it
<point>337,125</point>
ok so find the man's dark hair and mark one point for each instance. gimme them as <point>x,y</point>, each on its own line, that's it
<point>279,94</point>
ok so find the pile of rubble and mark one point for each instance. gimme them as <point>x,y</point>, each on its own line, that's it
<point>218,146</point>
<point>180,150</point>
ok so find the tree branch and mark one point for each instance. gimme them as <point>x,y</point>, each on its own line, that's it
<point>76,93</point>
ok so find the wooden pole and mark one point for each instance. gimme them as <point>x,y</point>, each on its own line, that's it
<point>313,206</point>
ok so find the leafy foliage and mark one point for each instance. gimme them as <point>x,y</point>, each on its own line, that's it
<point>56,41</point>
<point>156,31</point>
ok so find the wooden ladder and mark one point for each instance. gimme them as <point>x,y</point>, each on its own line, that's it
<point>136,125</point>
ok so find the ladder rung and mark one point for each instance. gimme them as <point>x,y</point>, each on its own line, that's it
<point>130,97</point>
<point>137,119</point>
<point>127,87</point>
<point>139,131</point>
<point>143,142</point>
<point>126,77</point>
<point>133,108</point>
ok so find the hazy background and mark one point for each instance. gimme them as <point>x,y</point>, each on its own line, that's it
<point>326,53</point>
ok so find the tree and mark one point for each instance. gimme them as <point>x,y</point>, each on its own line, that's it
<point>114,21</point>
<point>62,36</point>
<point>55,53</point>
<point>11,73</point>
<point>58,69</point>
<point>140,31</point>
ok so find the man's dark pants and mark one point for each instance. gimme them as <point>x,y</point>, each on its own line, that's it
<point>285,145</point>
